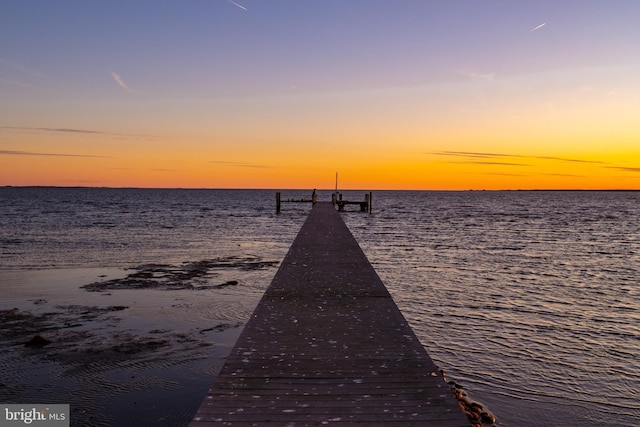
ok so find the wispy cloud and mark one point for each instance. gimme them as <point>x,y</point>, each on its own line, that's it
<point>492,163</point>
<point>474,155</point>
<point>471,154</point>
<point>20,75</point>
<point>33,153</point>
<point>507,174</point>
<point>23,69</point>
<point>625,169</point>
<point>569,175</point>
<point>478,76</point>
<point>118,79</point>
<point>164,170</point>
<point>62,130</point>
<point>240,164</point>
<point>536,28</point>
<point>564,159</point>
<point>25,129</point>
<point>19,84</point>
<point>236,4</point>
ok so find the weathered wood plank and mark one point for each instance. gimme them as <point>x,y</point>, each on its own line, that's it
<point>327,345</point>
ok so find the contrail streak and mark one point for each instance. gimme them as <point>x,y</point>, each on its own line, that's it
<point>538,27</point>
<point>119,80</point>
<point>236,4</point>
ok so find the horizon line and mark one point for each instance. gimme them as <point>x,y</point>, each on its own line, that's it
<point>317,189</point>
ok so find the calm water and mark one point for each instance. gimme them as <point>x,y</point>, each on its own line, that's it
<point>528,299</point>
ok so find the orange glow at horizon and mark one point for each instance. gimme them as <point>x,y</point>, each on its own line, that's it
<point>252,100</point>
<point>372,168</point>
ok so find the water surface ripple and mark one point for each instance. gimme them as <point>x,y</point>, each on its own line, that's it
<point>529,299</point>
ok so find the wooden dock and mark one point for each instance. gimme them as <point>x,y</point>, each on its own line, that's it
<point>365,206</point>
<point>327,345</point>
<point>279,200</point>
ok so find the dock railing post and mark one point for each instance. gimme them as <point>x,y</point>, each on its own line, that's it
<point>278,202</point>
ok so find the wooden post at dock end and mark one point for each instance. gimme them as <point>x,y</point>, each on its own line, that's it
<point>278,202</point>
<point>367,202</point>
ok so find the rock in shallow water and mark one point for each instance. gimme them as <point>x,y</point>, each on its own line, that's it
<point>37,341</point>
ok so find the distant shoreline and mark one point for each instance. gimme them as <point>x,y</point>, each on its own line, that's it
<point>325,189</point>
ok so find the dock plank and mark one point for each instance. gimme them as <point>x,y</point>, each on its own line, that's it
<point>328,345</point>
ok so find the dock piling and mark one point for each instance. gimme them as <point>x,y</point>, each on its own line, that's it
<point>365,206</point>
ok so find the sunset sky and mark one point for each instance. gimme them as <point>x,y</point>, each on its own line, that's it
<point>391,94</point>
